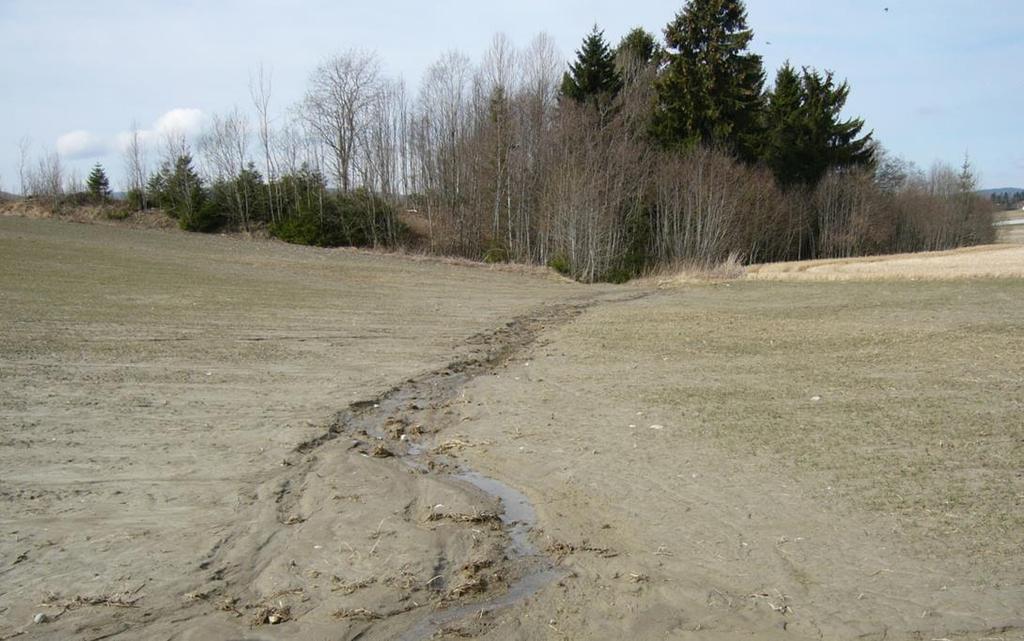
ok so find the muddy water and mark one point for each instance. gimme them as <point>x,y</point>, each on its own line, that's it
<point>518,518</point>
<point>380,423</point>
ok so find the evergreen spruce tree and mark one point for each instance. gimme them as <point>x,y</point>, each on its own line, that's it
<point>831,142</point>
<point>184,195</point>
<point>785,126</point>
<point>593,78</point>
<point>711,89</point>
<point>638,46</point>
<point>637,52</point>
<point>98,184</point>
<point>806,136</point>
<point>157,184</point>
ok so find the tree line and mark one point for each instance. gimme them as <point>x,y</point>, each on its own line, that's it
<point>1009,199</point>
<point>637,156</point>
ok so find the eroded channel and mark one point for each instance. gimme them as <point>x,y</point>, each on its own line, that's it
<point>404,424</point>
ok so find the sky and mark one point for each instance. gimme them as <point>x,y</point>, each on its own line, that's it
<point>933,79</point>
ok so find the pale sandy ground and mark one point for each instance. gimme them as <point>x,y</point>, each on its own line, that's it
<point>151,385</point>
<point>740,460</point>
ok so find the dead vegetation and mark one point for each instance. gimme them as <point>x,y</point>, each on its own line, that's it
<point>350,587</point>
<point>357,614</point>
<point>986,261</point>
<point>482,517</point>
<point>562,549</point>
<point>271,614</point>
<point>126,599</point>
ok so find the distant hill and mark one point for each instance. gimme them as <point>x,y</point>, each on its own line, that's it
<point>6,196</point>
<point>1001,191</point>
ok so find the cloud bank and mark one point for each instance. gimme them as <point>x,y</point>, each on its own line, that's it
<point>83,144</point>
<point>79,144</point>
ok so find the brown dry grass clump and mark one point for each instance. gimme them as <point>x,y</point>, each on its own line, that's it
<point>685,274</point>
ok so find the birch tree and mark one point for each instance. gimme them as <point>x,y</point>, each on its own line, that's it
<point>24,149</point>
<point>135,165</point>
<point>260,91</point>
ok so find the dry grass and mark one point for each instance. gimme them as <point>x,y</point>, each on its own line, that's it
<point>1010,227</point>
<point>458,261</point>
<point>985,261</point>
<point>157,219</point>
<point>689,273</point>
<point>91,214</point>
<point>902,398</point>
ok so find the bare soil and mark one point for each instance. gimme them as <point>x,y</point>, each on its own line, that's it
<point>209,438</point>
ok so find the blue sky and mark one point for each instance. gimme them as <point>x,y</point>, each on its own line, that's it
<point>933,79</point>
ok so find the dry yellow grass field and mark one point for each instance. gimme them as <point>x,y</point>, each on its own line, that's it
<point>985,261</point>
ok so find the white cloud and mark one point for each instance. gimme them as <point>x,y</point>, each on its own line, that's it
<point>81,144</point>
<point>185,121</point>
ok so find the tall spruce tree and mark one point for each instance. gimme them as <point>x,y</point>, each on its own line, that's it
<point>98,184</point>
<point>639,46</point>
<point>593,78</point>
<point>785,120</point>
<point>711,89</point>
<point>637,51</point>
<point>806,136</point>
<point>183,194</point>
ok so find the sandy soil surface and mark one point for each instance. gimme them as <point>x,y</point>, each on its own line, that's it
<point>153,389</point>
<point>986,261</point>
<point>759,460</point>
<point>205,438</point>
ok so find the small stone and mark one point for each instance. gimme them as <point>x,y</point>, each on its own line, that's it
<point>815,398</point>
<point>40,618</point>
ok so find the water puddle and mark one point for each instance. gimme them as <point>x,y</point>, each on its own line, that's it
<point>404,423</point>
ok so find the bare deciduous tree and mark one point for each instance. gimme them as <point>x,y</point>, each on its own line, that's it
<point>225,147</point>
<point>47,180</point>
<point>135,164</point>
<point>343,91</point>
<point>442,127</point>
<point>24,149</point>
<point>260,90</point>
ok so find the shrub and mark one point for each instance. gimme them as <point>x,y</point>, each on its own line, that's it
<point>118,212</point>
<point>299,229</point>
<point>356,219</point>
<point>495,252</point>
<point>560,264</point>
<point>208,218</point>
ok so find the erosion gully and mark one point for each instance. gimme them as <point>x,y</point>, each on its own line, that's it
<point>402,424</point>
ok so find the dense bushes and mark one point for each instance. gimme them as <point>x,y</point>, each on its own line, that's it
<point>306,212</point>
<point>357,219</point>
